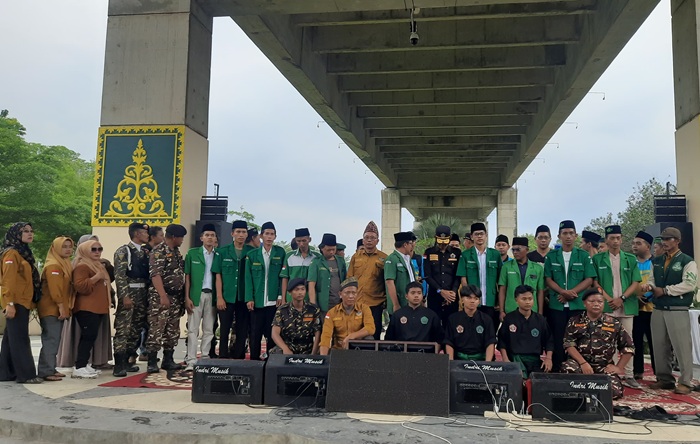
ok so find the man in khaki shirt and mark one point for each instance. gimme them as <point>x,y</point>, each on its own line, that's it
<point>346,321</point>
<point>367,266</point>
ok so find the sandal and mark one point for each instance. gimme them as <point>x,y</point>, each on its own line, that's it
<point>35,380</point>
<point>53,378</point>
<point>59,374</point>
<point>656,413</point>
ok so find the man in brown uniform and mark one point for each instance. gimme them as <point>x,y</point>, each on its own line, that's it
<point>346,321</point>
<point>367,266</point>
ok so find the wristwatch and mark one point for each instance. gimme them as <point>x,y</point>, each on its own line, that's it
<point>623,297</point>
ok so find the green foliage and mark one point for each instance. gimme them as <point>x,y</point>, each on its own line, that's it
<point>638,214</point>
<point>49,186</point>
<point>242,214</point>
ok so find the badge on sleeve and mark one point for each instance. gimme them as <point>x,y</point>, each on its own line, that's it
<point>479,329</point>
<point>460,329</point>
<point>513,328</point>
<point>424,320</point>
<point>535,332</point>
<point>403,319</point>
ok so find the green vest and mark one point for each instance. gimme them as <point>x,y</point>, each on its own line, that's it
<point>629,272</point>
<point>510,278</point>
<point>255,276</point>
<point>673,275</point>
<point>194,267</point>
<point>231,269</point>
<point>395,269</point>
<point>468,267</point>
<point>321,275</point>
<point>580,268</point>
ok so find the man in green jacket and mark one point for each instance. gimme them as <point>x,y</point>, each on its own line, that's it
<point>325,275</point>
<point>399,270</point>
<point>263,292</point>
<point>228,268</point>
<point>517,272</point>
<point>568,273</point>
<point>200,295</point>
<point>297,262</point>
<point>481,266</point>
<point>619,278</point>
<point>674,284</point>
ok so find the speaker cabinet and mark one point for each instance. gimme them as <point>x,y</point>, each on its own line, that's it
<point>390,383</point>
<point>296,380</point>
<point>226,381</point>
<point>477,386</point>
<point>571,397</point>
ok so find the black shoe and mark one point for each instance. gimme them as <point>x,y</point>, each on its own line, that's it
<point>152,362</point>
<point>169,362</point>
<point>119,369</point>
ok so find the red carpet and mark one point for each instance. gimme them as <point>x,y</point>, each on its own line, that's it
<point>679,404</point>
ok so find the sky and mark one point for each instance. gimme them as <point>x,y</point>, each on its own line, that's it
<point>51,81</point>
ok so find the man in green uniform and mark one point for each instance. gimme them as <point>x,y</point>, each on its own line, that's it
<point>228,268</point>
<point>590,242</point>
<point>262,288</point>
<point>502,246</point>
<point>131,278</point>
<point>568,272</point>
<point>674,284</point>
<point>515,273</point>
<point>200,295</point>
<point>296,262</point>
<point>399,270</point>
<point>166,299</point>
<point>481,266</point>
<point>326,273</point>
<point>296,328</point>
<point>619,278</point>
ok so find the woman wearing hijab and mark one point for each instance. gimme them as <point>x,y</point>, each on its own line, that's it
<point>70,338</point>
<point>55,305</point>
<point>20,289</point>
<point>91,282</point>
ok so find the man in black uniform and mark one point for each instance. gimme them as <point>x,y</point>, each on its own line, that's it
<point>440,264</point>
<point>542,238</point>
<point>469,334</point>
<point>524,334</point>
<point>454,241</point>
<point>414,322</point>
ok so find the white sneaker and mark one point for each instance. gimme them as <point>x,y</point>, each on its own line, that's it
<point>92,370</point>
<point>83,373</point>
<point>190,367</point>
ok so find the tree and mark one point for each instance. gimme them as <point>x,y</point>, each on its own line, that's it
<point>638,214</point>
<point>425,230</point>
<point>49,186</point>
<point>242,214</point>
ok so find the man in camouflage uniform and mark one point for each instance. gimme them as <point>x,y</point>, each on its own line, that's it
<point>131,277</point>
<point>592,339</point>
<point>296,328</point>
<point>166,299</point>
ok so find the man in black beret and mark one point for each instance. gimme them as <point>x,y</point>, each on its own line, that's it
<point>590,242</point>
<point>502,245</point>
<point>543,239</point>
<point>481,266</point>
<point>641,247</point>
<point>131,279</point>
<point>399,270</point>
<point>441,273</point>
<point>296,262</point>
<point>296,328</point>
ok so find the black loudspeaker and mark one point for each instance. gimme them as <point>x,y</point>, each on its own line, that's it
<point>686,229</point>
<point>394,346</point>
<point>227,381</point>
<point>571,397</point>
<point>478,386</point>
<point>670,208</point>
<point>296,380</point>
<point>391,383</point>
<point>214,208</point>
<point>223,232</point>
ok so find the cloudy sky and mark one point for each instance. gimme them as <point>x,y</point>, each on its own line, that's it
<point>51,81</point>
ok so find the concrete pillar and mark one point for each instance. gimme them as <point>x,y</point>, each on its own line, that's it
<point>506,214</point>
<point>391,218</point>
<point>686,69</point>
<point>157,73</point>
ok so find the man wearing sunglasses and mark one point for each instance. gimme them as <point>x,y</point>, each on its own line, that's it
<point>441,274</point>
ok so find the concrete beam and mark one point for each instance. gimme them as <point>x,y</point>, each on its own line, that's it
<point>449,97</point>
<point>446,80</point>
<point>414,138</point>
<point>485,109</point>
<point>507,212</point>
<point>686,59</point>
<point>391,218</point>
<point>443,202</point>
<point>485,33</point>
<point>476,12</point>
<point>410,61</point>
<point>473,131</point>
<point>422,150</point>
<point>448,122</point>
<point>424,179</point>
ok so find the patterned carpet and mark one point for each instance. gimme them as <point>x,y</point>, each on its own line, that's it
<point>638,399</point>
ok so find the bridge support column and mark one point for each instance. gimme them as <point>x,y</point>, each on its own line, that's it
<point>686,79</point>
<point>391,218</point>
<point>507,213</point>
<point>156,79</point>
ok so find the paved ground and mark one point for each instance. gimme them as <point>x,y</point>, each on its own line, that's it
<point>76,411</point>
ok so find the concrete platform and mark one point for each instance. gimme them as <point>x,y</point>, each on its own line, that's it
<point>78,411</point>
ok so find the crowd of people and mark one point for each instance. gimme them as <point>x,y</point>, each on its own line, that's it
<point>567,309</point>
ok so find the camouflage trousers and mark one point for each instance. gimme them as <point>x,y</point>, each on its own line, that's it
<point>571,366</point>
<point>128,323</point>
<point>163,322</point>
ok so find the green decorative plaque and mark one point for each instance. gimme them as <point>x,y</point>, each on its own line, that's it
<point>138,175</point>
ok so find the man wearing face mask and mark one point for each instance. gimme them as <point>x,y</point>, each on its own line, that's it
<point>441,273</point>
